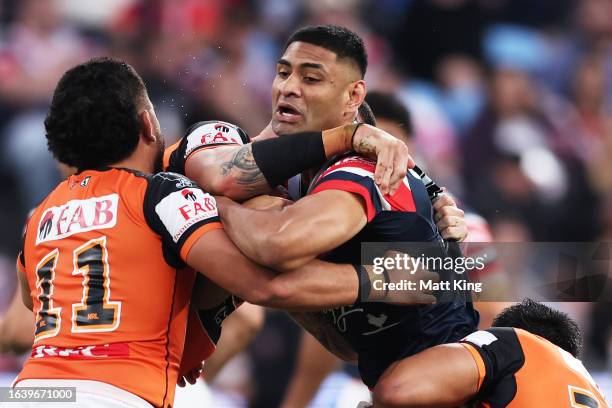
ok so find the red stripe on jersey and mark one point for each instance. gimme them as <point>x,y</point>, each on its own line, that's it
<point>350,187</point>
<point>402,200</point>
<point>351,162</point>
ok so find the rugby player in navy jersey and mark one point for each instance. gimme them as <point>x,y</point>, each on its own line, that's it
<point>343,208</point>
<point>219,157</point>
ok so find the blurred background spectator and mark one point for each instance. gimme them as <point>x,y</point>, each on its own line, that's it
<point>510,99</point>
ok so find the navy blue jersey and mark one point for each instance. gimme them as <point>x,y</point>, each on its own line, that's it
<point>378,332</point>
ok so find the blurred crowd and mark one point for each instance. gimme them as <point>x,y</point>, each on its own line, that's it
<point>511,102</point>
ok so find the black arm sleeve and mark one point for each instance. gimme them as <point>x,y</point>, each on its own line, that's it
<point>502,355</point>
<point>283,157</point>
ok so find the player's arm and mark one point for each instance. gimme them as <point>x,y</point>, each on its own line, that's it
<point>186,219</point>
<point>442,376</point>
<point>314,286</point>
<point>298,233</point>
<point>478,362</point>
<point>244,171</point>
<point>16,325</point>
<point>24,288</point>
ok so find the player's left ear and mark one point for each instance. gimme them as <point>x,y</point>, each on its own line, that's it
<point>356,96</point>
<point>147,126</point>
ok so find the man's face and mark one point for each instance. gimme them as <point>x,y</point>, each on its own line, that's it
<point>311,90</point>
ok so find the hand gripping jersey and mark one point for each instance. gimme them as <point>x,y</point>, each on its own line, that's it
<point>382,333</point>
<point>518,369</point>
<point>101,255</point>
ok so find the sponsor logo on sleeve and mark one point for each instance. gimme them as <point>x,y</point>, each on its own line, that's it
<point>180,210</point>
<point>76,216</point>
<point>480,338</point>
<point>213,133</point>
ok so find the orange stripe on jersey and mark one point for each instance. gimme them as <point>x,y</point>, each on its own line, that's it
<point>479,363</point>
<point>193,238</point>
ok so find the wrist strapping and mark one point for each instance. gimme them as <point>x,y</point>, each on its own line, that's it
<point>339,140</point>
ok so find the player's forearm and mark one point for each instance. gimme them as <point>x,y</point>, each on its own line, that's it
<point>242,172</point>
<point>229,171</point>
<point>293,236</point>
<point>246,228</point>
<point>267,237</point>
<point>317,285</point>
<point>16,332</point>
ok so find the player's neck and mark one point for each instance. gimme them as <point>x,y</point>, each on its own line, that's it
<point>135,162</point>
<point>309,175</point>
<point>141,159</point>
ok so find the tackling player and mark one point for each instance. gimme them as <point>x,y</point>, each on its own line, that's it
<point>323,67</point>
<point>219,158</point>
<point>527,359</point>
<point>101,252</point>
<point>314,362</point>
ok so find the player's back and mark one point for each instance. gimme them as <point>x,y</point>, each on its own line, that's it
<point>382,333</point>
<point>552,377</point>
<point>519,369</point>
<point>108,303</point>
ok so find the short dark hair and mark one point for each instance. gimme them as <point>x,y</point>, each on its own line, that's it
<point>367,116</point>
<point>388,106</point>
<point>93,119</point>
<point>536,318</point>
<point>340,40</point>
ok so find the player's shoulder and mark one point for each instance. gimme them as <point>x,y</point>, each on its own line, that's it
<point>203,135</point>
<point>167,183</point>
<point>213,133</point>
<point>172,189</point>
<point>492,336</point>
<point>170,178</point>
<point>351,162</point>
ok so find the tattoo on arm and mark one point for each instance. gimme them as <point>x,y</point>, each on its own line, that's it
<point>365,146</point>
<point>243,167</point>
